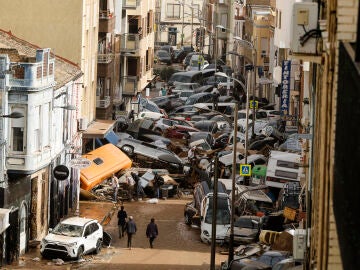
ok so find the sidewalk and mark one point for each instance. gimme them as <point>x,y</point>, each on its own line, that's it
<point>101,211</point>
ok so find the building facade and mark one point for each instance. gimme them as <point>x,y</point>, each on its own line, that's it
<point>37,89</point>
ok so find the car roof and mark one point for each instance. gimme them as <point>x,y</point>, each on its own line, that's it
<point>77,220</point>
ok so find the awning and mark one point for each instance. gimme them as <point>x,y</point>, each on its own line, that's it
<point>99,129</point>
<point>4,219</point>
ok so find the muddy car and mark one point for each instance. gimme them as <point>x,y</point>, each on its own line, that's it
<point>146,152</point>
<point>246,230</point>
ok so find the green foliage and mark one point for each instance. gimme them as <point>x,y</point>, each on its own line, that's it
<point>166,72</point>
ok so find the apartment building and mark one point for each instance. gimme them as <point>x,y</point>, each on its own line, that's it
<point>136,48</point>
<point>41,102</point>
<point>70,28</point>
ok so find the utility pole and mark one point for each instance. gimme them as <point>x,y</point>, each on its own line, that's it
<point>214,214</point>
<point>192,23</point>
<point>182,25</point>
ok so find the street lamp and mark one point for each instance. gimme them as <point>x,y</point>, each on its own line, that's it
<point>231,242</point>
<point>14,115</point>
<point>254,56</point>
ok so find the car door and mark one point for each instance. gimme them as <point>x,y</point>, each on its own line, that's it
<point>87,238</point>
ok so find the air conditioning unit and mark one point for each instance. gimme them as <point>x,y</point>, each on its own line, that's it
<point>83,123</point>
<point>304,28</point>
<point>299,244</point>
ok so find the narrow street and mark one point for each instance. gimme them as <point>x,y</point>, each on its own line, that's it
<point>177,247</point>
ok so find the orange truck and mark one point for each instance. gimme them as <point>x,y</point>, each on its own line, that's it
<point>105,161</point>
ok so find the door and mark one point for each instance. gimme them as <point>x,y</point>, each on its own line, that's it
<point>23,218</point>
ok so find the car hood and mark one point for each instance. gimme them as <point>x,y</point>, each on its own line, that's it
<point>171,158</point>
<point>61,238</point>
<point>246,232</point>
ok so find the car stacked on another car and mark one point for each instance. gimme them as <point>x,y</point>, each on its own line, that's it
<point>72,238</point>
<point>162,56</point>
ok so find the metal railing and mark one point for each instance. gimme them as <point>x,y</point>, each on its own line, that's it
<point>102,103</point>
<point>129,42</point>
<point>105,58</point>
<point>131,3</point>
<point>105,14</point>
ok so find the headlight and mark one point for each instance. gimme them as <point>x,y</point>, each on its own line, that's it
<point>72,244</point>
<point>44,241</point>
<point>206,233</point>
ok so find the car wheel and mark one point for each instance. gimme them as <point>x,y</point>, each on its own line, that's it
<point>98,246</point>
<point>128,150</point>
<point>80,253</point>
<point>187,219</point>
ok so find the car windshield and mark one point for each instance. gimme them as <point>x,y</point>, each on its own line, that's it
<point>245,223</point>
<point>163,54</point>
<point>68,230</point>
<point>222,213</point>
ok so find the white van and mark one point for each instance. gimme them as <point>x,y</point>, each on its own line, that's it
<point>199,211</point>
<point>282,168</point>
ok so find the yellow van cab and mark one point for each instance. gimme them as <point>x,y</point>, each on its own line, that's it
<point>105,161</point>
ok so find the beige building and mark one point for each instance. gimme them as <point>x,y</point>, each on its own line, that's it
<point>69,27</point>
<point>137,47</point>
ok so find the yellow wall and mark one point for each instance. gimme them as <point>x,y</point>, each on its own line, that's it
<point>46,24</point>
<point>68,27</point>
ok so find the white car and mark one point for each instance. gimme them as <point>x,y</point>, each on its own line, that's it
<point>72,238</point>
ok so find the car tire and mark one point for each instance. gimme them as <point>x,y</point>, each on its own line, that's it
<point>98,246</point>
<point>128,150</point>
<point>80,253</point>
<point>187,219</point>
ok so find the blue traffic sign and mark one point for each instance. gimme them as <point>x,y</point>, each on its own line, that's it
<point>245,170</point>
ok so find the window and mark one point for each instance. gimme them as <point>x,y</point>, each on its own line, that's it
<point>173,11</point>
<point>98,161</point>
<point>291,175</point>
<point>18,139</point>
<point>287,164</point>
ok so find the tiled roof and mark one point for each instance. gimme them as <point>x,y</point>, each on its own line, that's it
<point>65,70</point>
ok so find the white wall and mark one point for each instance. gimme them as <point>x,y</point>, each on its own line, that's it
<point>283,34</point>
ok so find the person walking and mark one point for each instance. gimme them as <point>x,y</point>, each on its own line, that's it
<point>130,230</point>
<point>122,216</point>
<point>115,186</point>
<point>152,231</point>
<point>130,183</point>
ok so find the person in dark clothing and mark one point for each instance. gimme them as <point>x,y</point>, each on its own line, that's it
<point>130,230</point>
<point>122,216</point>
<point>140,194</point>
<point>158,181</point>
<point>152,232</point>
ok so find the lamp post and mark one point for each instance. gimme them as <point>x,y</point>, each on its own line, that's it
<point>254,56</point>
<point>182,25</point>
<point>231,242</point>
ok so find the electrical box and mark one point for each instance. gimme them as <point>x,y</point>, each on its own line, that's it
<point>304,28</point>
<point>299,244</point>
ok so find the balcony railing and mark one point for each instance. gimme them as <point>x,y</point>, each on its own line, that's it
<point>131,3</point>
<point>105,14</point>
<point>102,103</point>
<point>33,76</point>
<point>129,85</point>
<point>129,42</point>
<point>105,58</point>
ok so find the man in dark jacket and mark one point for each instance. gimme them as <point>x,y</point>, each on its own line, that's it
<point>122,216</point>
<point>152,231</point>
<point>130,230</point>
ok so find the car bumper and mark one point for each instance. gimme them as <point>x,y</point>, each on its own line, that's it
<point>63,251</point>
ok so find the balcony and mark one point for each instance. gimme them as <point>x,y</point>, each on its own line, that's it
<point>106,21</point>
<point>129,85</point>
<point>129,42</point>
<point>105,58</point>
<point>34,76</point>
<point>131,4</point>
<point>102,103</point>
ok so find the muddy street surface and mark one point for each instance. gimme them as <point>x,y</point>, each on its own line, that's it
<point>178,246</point>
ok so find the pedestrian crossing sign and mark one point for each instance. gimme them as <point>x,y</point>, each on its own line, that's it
<point>254,104</point>
<point>245,170</point>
